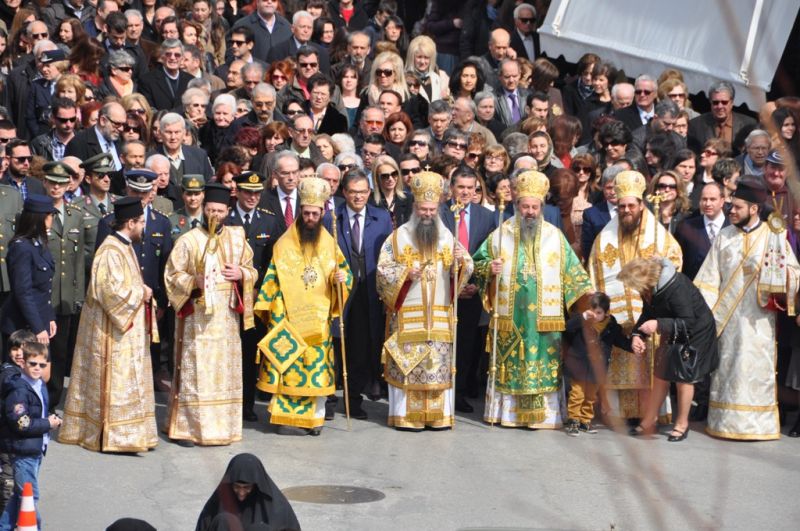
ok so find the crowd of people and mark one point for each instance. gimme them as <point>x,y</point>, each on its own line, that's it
<point>225,200</point>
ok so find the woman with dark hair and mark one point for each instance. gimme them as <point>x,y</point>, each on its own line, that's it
<point>135,128</point>
<point>604,77</point>
<point>467,79</point>
<point>543,78</point>
<point>324,31</point>
<point>563,189</point>
<point>30,272</point>
<point>684,163</point>
<point>394,31</point>
<point>659,152</point>
<point>397,128</point>
<point>348,81</point>
<point>69,32</point>
<point>565,130</point>
<point>247,493</point>
<point>669,299</point>
<point>786,134</point>
<point>615,137</point>
<point>84,60</point>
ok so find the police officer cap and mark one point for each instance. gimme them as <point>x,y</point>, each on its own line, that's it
<point>750,189</point>
<point>140,180</point>
<point>101,164</point>
<point>193,183</point>
<point>38,204</point>
<point>128,208</point>
<point>217,193</point>
<point>250,181</point>
<point>51,56</point>
<point>57,172</point>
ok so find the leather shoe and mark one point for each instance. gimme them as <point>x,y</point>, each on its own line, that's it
<point>291,430</point>
<point>330,410</point>
<point>248,415</point>
<point>677,438</point>
<point>358,413</point>
<point>795,431</point>
<point>463,406</point>
<point>315,432</point>
<point>183,443</point>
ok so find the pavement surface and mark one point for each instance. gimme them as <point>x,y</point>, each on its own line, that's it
<point>474,477</point>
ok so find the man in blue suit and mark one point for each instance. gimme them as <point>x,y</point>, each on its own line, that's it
<point>598,216</point>
<point>152,252</point>
<point>696,234</point>
<point>471,227</point>
<point>361,231</point>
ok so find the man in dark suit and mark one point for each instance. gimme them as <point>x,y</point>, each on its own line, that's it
<point>184,160</point>
<point>524,39</point>
<point>696,234</point>
<point>262,228</point>
<point>642,110</point>
<point>19,156</point>
<point>473,226</point>
<point>333,175</point>
<point>242,42</point>
<point>115,37</point>
<point>269,28</point>
<point>302,28</point>
<point>598,216</point>
<point>102,138</point>
<point>152,252</point>
<point>284,200</point>
<point>361,231</point>
<point>164,86</point>
<point>510,100</point>
<point>721,121</point>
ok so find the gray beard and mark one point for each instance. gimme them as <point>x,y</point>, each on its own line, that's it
<point>426,236</point>
<point>527,229</point>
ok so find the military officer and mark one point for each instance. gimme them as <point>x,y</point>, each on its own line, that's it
<point>262,228</point>
<point>152,252</point>
<point>66,243</point>
<point>10,206</point>
<point>98,201</point>
<point>190,214</point>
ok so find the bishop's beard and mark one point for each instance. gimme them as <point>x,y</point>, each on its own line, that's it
<point>426,236</point>
<point>309,232</point>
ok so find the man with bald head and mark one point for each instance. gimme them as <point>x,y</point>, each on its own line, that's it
<point>464,112</point>
<point>499,49</point>
<point>104,137</point>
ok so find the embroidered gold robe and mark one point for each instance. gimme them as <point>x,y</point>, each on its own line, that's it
<point>418,356</point>
<point>298,301</point>
<point>110,405</point>
<point>205,404</point>
<point>743,402</point>
<point>628,373</point>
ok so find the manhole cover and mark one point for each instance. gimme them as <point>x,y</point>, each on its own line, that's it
<point>333,494</point>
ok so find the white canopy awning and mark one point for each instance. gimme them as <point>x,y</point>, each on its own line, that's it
<point>740,41</point>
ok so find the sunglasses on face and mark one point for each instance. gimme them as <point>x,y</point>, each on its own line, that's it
<point>716,103</point>
<point>173,54</point>
<point>238,43</point>
<point>387,176</point>
<point>456,145</point>
<point>42,364</point>
<point>526,20</point>
<point>292,112</point>
<point>137,111</point>
<point>346,167</point>
<point>419,143</point>
<point>640,92</point>
<point>5,140</point>
<point>384,72</point>
<point>124,68</point>
<point>278,76</point>
<point>39,35</point>
<point>374,123</point>
<point>66,120</point>
<point>667,186</point>
<point>582,169</point>
<point>308,65</point>
<point>473,156</point>
<point>24,159</point>
<point>411,171</point>
<point>131,129</point>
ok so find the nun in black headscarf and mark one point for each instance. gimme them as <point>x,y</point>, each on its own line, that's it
<point>247,492</point>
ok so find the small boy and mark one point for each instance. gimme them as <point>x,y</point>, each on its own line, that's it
<point>589,338</point>
<point>25,412</point>
<point>10,367</point>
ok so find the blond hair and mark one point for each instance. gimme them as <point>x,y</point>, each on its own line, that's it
<point>641,274</point>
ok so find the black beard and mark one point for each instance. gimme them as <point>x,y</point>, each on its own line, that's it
<point>744,222</point>
<point>426,235</point>
<point>633,226</point>
<point>309,234</point>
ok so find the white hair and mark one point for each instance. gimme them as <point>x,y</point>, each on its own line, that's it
<point>191,93</point>
<point>301,14</point>
<point>153,159</point>
<point>133,13</point>
<point>755,133</point>
<point>43,45</point>
<point>171,118</point>
<point>344,142</point>
<point>520,7</point>
<point>225,99</point>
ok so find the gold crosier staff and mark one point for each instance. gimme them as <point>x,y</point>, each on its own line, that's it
<point>653,340</point>
<point>456,210</point>
<point>339,297</point>
<point>496,315</point>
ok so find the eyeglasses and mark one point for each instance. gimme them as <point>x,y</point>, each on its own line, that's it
<point>24,159</point>
<point>667,186</point>
<point>40,35</point>
<point>413,85</point>
<point>131,129</point>
<point>526,20</point>
<point>238,43</point>
<point>66,120</point>
<point>384,72</point>
<point>419,143</point>
<point>411,171</point>
<point>292,112</point>
<point>710,152</point>
<point>716,103</point>
<point>118,125</point>
<point>198,105</point>
<point>473,156</point>
<point>124,68</point>
<point>278,76</point>
<point>457,145</point>
<point>309,65</point>
<point>42,364</point>
<point>346,167</point>
<point>387,176</point>
<point>374,123</point>
<point>640,92</point>
<point>137,111</point>
<point>89,98</point>
<point>582,169</point>
<point>677,96</point>
<point>303,131</point>
<point>5,140</point>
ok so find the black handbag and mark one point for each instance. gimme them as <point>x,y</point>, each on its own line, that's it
<point>681,356</point>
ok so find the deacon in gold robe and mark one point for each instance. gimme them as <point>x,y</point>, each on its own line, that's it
<point>416,283</point>
<point>749,274</point>
<point>538,275</point>
<point>298,301</point>
<point>209,281</point>
<point>633,233</point>
<point>110,405</point>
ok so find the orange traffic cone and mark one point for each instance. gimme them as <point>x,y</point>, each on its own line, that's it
<point>26,521</point>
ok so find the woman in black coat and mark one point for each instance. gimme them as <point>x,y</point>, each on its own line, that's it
<point>670,298</point>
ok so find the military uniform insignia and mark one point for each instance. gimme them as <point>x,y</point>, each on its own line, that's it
<point>182,222</point>
<point>23,422</point>
<point>157,235</point>
<point>262,236</point>
<point>74,231</point>
<point>254,179</point>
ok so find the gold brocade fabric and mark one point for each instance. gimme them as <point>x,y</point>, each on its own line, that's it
<point>205,406</point>
<point>110,405</point>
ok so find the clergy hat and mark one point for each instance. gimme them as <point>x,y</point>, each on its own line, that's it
<point>58,172</point>
<point>38,204</point>
<point>750,189</point>
<point>250,181</point>
<point>193,183</point>
<point>314,192</point>
<point>140,180</point>
<point>775,158</point>
<point>533,184</point>
<point>128,208</point>
<point>51,56</point>
<point>217,193</point>
<point>101,164</point>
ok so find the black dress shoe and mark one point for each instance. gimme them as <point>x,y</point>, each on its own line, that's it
<point>183,443</point>
<point>315,432</point>
<point>463,406</point>
<point>681,435</point>
<point>248,415</point>
<point>795,431</point>
<point>358,413</point>
<point>291,430</point>
<point>330,410</point>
